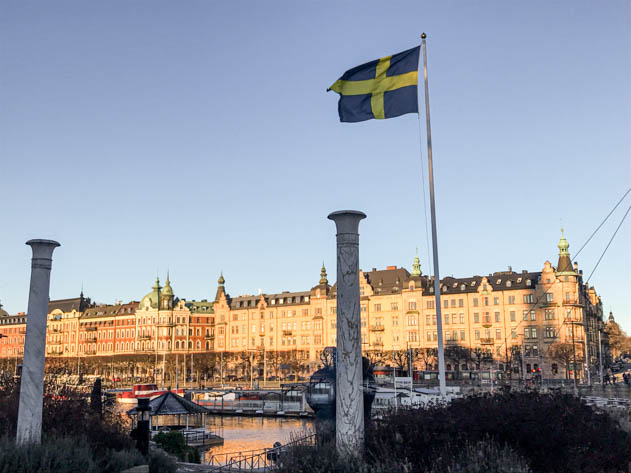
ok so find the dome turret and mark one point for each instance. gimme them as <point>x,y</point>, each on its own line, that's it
<point>416,266</point>
<point>151,298</point>
<point>564,266</point>
<point>168,290</point>
<point>323,280</point>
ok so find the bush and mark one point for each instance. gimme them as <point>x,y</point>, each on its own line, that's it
<point>175,444</point>
<point>510,432</point>
<point>554,433</point>
<point>66,413</point>
<point>161,462</point>
<point>63,455</point>
<point>482,457</point>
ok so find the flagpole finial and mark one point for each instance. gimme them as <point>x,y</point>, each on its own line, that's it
<point>423,36</point>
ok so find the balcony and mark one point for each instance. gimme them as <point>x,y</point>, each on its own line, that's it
<point>487,324</point>
<point>376,328</point>
<point>56,353</point>
<point>377,344</point>
<point>287,332</point>
<point>144,337</point>
<point>90,329</point>
<point>91,351</point>
<point>487,341</point>
<point>572,301</point>
<point>165,324</point>
<point>93,338</point>
<point>212,337</point>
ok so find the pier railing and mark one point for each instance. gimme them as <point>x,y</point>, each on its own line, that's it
<point>263,405</point>
<point>262,460</point>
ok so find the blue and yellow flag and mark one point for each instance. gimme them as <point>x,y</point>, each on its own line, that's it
<point>385,88</point>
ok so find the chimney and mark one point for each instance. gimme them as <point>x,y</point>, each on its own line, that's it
<point>391,267</point>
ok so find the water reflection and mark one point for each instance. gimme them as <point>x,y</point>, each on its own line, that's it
<point>253,433</point>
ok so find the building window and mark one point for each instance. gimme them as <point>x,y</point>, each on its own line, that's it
<point>395,321</point>
<point>533,315</point>
<point>498,334</point>
<point>475,302</point>
<point>412,321</point>
<point>446,304</point>
<point>412,305</point>
<point>529,298</point>
<point>476,318</point>
<point>394,306</point>
<point>496,301</point>
<point>429,304</point>
<point>462,318</point>
<point>549,297</point>
<point>462,335</point>
<point>377,307</point>
<point>497,316</point>
<point>476,335</point>
<point>512,316</point>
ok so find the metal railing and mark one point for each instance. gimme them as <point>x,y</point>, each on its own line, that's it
<point>260,460</point>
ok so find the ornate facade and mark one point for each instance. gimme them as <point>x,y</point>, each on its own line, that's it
<point>502,313</point>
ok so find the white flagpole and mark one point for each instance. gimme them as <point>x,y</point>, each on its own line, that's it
<point>439,322</point>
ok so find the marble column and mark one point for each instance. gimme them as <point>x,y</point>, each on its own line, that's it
<point>29,428</point>
<point>349,395</point>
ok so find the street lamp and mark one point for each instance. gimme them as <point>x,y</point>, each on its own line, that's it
<point>144,425</point>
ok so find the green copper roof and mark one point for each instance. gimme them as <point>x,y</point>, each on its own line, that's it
<point>168,290</point>
<point>564,265</point>
<point>416,266</point>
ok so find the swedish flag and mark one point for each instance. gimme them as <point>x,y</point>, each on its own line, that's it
<point>384,88</point>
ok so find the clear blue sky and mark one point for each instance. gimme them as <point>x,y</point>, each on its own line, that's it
<point>198,136</point>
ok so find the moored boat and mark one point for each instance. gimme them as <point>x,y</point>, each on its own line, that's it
<point>150,391</point>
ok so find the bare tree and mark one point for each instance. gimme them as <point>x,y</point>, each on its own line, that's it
<point>375,357</point>
<point>564,353</point>
<point>457,354</point>
<point>480,355</point>
<point>429,356</point>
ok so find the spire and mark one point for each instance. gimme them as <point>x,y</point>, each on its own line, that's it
<point>564,266</point>
<point>416,265</point>
<point>323,280</point>
<point>220,289</point>
<point>167,290</point>
<point>157,286</point>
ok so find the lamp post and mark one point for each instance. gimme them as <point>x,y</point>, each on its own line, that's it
<point>144,425</point>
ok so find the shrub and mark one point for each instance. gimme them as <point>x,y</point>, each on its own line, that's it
<point>63,455</point>
<point>161,462</point>
<point>555,433</point>
<point>482,457</point>
<point>175,444</point>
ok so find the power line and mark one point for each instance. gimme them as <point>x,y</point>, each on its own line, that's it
<point>607,247</point>
<point>603,222</point>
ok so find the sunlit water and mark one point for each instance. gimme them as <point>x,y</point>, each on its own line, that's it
<point>241,434</point>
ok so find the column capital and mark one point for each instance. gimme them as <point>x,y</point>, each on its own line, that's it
<point>347,221</point>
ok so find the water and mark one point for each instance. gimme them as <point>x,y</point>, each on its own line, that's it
<point>241,434</point>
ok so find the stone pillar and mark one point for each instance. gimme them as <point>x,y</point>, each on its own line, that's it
<point>29,428</point>
<point>349,395</point>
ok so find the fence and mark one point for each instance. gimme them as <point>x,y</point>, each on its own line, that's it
<point>262,405</point>
<point>263,460</point>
